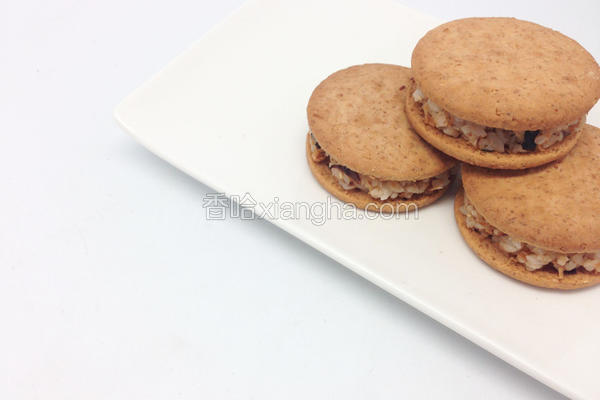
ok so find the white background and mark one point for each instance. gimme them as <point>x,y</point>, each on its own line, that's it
<point>114,285</point>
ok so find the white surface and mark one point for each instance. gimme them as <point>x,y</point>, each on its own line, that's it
<point>185,113</point>
<point>113,285</point>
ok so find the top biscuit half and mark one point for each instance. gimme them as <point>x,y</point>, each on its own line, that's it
<point>503,86</point>
<point>357,116</point>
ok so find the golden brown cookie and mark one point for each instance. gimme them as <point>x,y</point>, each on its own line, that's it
<point>462,150</point>
<point>362,199</point>
<point>357,118</point>
<point>500,261</point>
<point>507,74</point>
<point>553,208</point>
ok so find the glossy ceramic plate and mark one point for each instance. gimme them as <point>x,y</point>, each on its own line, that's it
<point>230,111</point>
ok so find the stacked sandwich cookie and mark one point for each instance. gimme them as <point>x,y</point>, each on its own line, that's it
<point>542,225</point>
<point>361,148</point>
<point>509,99</point>
<point>500,92</point>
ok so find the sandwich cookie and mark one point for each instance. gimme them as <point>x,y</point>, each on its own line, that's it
<point>542,225</point>
<point>361,147</point>
<point>500,92</point>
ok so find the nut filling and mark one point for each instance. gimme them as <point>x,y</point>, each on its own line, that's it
<point>492,139</point>
<point>379,189</point>
<point>532,257</point>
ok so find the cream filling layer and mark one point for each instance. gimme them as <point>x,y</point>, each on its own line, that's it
<point>377,188</point>
<point>532,257</point>
<point>492,139</point>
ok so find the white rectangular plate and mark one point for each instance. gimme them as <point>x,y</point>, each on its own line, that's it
<point>230,111</point>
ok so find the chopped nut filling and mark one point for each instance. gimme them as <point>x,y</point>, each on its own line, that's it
<point>530,256</point>
<point>379,189</point>
<point>492,139</point>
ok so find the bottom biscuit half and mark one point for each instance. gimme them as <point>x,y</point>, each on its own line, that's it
<point>462,150</point>
<point>363,200</point>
